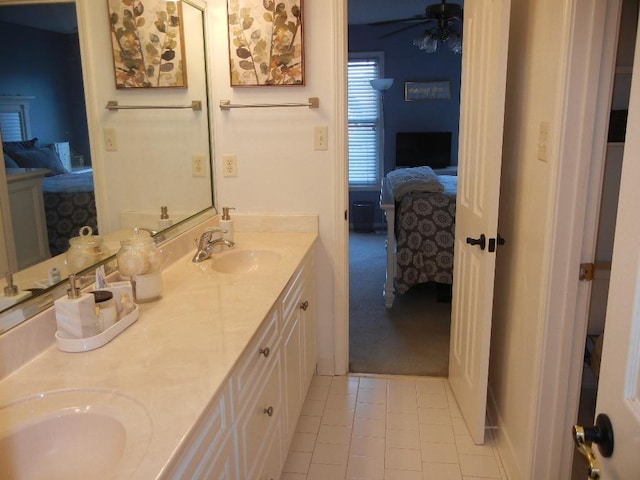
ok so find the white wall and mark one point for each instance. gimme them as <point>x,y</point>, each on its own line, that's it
<point>278,169</point>
<point>526,205</point>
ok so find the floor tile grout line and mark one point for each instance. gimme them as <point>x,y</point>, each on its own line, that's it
<point>315,442</point>
<point>387,386</point>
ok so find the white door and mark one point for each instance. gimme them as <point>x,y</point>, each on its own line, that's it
<point>484,65</point>
<point>619,385</point>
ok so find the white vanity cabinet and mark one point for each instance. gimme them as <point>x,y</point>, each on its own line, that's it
<point>266,427</point>
<point>258,403</point>
<point>246,432</point>
<point>299,342</point>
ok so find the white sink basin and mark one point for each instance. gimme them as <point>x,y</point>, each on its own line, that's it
<point>245,261</point>
<point>73,434</point>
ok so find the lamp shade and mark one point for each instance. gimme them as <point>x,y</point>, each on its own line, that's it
<point>381,84</point>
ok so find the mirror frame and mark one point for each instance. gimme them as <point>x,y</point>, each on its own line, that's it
<point>43,299</point>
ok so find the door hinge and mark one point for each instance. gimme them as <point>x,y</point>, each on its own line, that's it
<point>586,271</point>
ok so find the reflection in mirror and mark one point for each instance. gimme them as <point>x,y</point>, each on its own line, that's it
<point>52,187</point>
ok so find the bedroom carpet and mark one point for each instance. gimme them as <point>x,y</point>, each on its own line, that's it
<point>412,338</point>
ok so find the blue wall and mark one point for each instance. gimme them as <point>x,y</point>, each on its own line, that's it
<point>405,62</point>
<point>47,66</point>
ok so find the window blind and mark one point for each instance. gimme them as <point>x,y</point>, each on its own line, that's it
<point>364,122</point>
<point>11,126</point>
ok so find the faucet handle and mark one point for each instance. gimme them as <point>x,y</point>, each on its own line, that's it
<point>207,236</point>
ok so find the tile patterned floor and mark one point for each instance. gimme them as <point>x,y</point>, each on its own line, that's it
<point>386,428</point>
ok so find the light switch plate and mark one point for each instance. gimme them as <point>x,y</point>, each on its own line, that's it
<point>320,138</point>
<point>110,139</point>
<point>543,141</point>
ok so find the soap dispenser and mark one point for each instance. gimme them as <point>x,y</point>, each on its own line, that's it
<point>11,293</point>
<point>76,313</point>
<point>227,224</point>
<point>164,221</point>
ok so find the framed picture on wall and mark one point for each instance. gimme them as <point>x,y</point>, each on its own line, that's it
<point>419,91</point>
<point>266,45</point>
<point>147,41</point>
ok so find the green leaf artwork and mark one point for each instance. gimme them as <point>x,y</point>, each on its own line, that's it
<point>265,42</point>
<point>148,43</point>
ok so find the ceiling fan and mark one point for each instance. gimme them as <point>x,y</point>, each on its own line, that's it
<point>444,25</point>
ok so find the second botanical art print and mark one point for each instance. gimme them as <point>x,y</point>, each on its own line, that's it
<point>148,43</point>
<point>265,42</point>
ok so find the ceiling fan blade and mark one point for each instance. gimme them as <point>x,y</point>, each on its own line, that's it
<point>403,29</point>
<point>415,18</point>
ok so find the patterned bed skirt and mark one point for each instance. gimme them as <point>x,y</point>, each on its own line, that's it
<point>66,213</point>
<point>425,230</point>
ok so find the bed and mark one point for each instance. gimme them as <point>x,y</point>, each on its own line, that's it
<point>69,204</point>
<point>69,199</point>
<point>420,221</point>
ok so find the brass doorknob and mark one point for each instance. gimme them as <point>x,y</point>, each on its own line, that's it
<point>602,435</point>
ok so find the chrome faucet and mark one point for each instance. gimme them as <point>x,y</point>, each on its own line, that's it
<point>206,243</point>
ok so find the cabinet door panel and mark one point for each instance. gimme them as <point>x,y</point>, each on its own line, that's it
<point>309,328</point>
<point>293,366</point>
<point>262,415</point>
<point>258,356</point>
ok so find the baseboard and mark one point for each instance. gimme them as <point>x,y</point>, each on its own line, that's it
<point>503,444</point>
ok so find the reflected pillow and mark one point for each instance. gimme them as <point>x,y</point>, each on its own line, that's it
<point>9,162</point>
<point>39,158</point>
<point>10,147</point>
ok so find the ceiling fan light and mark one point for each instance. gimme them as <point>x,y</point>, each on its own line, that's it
<point>428,43</point>
<point>455,44</point>
<point>419,42</point>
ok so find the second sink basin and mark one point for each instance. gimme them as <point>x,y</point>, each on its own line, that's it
<point>245,261</point>
<point>73,434</point>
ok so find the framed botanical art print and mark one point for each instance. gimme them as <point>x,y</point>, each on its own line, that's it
<point>148,43</point>
<point>265,42</point>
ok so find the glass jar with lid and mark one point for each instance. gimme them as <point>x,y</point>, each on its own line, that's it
<point>85,250</point>
<point>140,261</point>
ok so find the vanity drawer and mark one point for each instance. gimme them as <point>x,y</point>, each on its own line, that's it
<point>260,418</point>
<point>258,356</point>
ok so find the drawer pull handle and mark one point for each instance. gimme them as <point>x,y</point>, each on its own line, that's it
<point>304,305</point>
<point>268,411</point>
<point>265,351</point>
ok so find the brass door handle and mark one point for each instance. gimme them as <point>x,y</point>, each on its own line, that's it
<point>602,435</point>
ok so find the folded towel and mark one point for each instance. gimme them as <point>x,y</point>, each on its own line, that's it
<point>416,179</point>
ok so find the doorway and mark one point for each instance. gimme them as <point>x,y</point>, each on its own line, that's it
<point>412,337</point>
<point>608,202</point>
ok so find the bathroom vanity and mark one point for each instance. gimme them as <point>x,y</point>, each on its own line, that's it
<point>208,383</point>
<point>246,430</point>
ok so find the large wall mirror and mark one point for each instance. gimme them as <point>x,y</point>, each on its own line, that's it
<point>70,162</point>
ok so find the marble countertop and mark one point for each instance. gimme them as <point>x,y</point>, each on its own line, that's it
<point>178,354</point>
